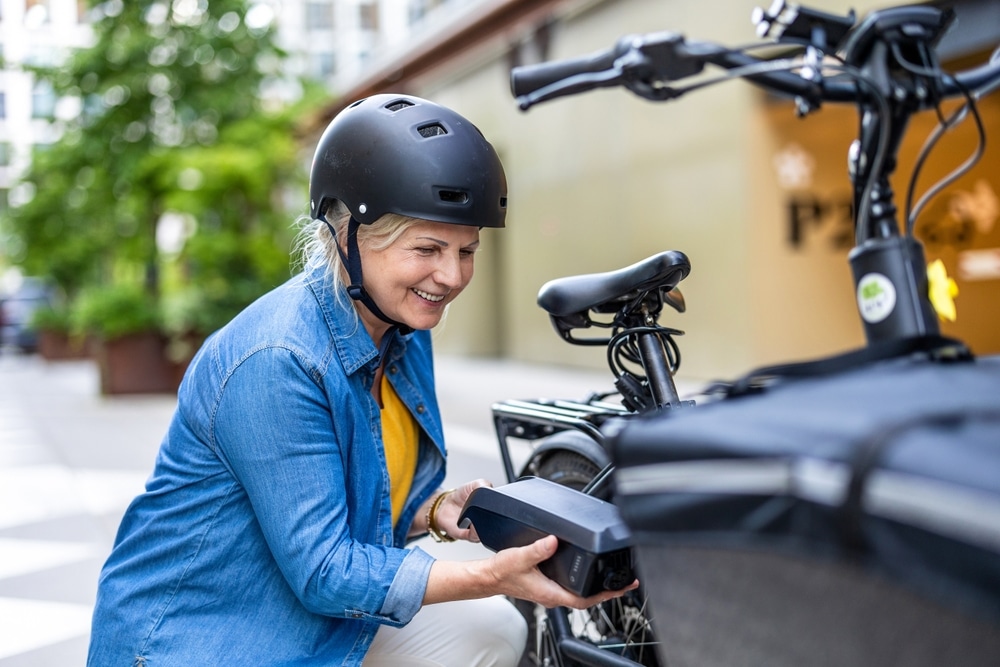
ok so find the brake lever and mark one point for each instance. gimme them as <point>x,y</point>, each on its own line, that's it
<point>636,77</point>
<point>654,59</point>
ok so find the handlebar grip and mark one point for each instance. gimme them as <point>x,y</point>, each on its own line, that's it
<point>527,79</point>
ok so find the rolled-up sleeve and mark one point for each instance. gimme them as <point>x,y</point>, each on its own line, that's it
<point>406,594</point>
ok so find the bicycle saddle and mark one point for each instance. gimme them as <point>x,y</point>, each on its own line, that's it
<point>578,294</point>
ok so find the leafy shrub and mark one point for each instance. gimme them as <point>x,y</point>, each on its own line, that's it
<point>113,311</point>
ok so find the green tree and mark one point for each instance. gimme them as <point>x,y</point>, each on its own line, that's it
<point>178,119</point>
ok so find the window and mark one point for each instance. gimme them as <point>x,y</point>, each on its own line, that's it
<point>319,16</point>
<point>40,56</point>
<point>324,64</point>
<point>3,104</point>
<point>43,100</point>
<point>369,16</point>
<point>6,154</point>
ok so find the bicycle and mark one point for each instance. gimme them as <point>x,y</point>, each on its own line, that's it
<point>886,66</point>
<point>570,447</point>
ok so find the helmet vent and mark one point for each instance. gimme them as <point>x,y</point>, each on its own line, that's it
<point>431,130</point>
<point>398,105</point>
<point>454,196</point>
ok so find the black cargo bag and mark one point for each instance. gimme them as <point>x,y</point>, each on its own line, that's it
<point>852,519</point>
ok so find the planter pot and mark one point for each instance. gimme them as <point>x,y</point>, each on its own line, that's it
<point>59,346</point>
<point>135,364</point>
<point>144,363</point>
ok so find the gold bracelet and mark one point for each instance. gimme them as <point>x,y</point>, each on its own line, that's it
<point>436,533</point>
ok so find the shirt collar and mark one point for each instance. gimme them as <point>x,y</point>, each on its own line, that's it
<point>350,338</point>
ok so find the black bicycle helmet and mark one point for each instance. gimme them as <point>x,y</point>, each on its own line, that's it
<point>401,154</point>
<point>405,155</point>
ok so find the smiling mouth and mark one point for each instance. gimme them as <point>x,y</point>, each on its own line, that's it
<point>429,297</point>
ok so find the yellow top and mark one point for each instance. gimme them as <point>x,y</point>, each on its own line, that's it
<point>400,443</point>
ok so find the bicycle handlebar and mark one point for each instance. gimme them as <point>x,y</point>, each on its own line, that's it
<point>645,64</point>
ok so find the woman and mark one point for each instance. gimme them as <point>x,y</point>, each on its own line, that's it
<point>307,449</point>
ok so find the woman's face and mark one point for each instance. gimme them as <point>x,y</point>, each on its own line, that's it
<point>423,271</point>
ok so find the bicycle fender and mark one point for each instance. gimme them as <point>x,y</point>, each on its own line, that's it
<point>573,441</point>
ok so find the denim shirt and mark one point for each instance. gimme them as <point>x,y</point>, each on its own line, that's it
<point>264,536</point>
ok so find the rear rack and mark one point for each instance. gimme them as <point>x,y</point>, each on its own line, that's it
<point>538,418</point>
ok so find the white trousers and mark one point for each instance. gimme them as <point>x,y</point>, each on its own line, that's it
<point>467,633</point>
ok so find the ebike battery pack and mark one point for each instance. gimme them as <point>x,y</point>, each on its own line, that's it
<point>594,552</point>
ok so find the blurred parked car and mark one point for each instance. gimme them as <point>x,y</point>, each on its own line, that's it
<point>16,310</point>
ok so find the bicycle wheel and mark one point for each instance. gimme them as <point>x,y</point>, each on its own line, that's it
<point>620,626</point>
<point>569,469</point>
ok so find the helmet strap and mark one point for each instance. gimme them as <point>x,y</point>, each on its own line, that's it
<point>356,290</point>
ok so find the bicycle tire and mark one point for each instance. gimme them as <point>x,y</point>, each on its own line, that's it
<point>569,469</point>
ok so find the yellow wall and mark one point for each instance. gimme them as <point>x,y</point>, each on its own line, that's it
<point>604,179</point>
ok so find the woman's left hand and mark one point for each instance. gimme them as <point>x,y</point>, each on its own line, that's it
<point>446,517</point>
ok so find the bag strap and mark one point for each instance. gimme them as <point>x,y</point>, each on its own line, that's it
<point>870,452</point>
<point>938,348</point>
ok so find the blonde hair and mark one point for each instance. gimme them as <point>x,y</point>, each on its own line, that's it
<point>315,244</point>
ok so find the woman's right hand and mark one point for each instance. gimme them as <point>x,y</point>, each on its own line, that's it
<point>512,572</point>
<point>517,575</point>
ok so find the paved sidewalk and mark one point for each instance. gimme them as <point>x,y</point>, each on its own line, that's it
<point>71,461</point>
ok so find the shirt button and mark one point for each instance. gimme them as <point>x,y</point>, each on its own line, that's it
<point>393,369</point>
<point>421,409</point>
